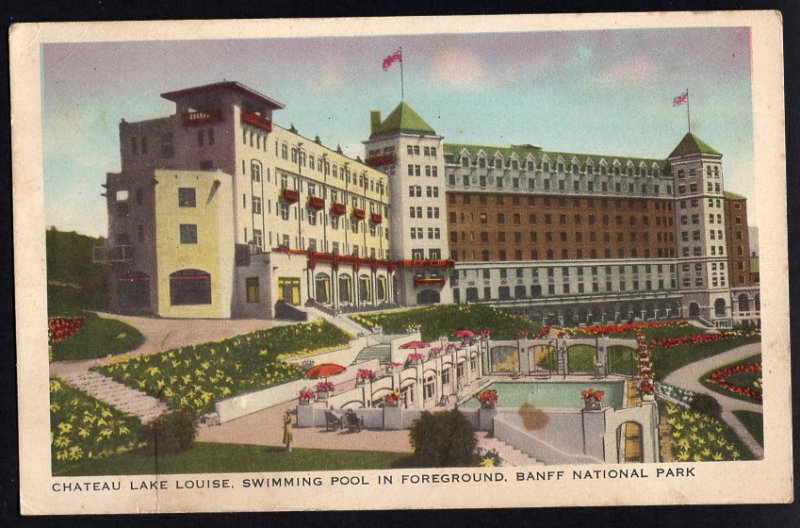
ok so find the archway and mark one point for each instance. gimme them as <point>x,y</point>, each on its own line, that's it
<point>581,359</point>
<point>719,308</point>
<point>364,289</point>
<point>133,291</point>
<point>428,297</point>
<point>322,290</point>
<point>630,448</point>
<point>345,289</point>
<point>380,294</point>
<point>694,310</point>
<point>744,303</point>
<point>504,359</point>
<point>189,286</point>
<point>621,360</point>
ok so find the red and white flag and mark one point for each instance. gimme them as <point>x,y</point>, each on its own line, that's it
<point>682,98</point>
<point>397,56</point>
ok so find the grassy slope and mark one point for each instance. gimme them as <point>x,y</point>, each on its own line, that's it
<point>753,422</point>
<point>667,360</point>
<point>236,458</point>
<point>98,338</point>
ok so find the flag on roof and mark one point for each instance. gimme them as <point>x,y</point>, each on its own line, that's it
<point>397,56</point>
<point>682,98</point>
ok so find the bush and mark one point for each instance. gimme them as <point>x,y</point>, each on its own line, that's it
<point>443,439</point>
<point>706,404</point>
<point>170,433</point>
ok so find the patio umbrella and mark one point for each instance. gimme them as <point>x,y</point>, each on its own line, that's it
<point>324,370</point>
<point>436,349</point>
<point>414,344</point>
<point>464,333</point>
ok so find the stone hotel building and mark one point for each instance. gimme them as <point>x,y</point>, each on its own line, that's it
<point>220,212</point>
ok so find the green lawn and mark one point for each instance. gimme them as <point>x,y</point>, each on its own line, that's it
<point>99,337</point>
<point>206,457</point>
<point>443,319</point>
<point>742,379</point>
<point>753,422</point>
<point>667,360</point>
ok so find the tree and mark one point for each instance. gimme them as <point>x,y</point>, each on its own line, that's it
<point>443,439</point>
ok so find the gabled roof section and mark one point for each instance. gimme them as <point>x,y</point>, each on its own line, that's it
<point>691,144</point>
<point>403,119</point>
<point>455,149</point>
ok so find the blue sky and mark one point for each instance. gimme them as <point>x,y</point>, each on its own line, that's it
<point>599,92</point>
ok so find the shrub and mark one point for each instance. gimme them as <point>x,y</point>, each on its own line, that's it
<point>170,433</point>
<point>706,404</point>
<point>443,439</point>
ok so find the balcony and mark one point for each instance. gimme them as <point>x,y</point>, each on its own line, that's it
<point>290,196</point>
<point>375,218</point>
<point>112,254</point>
<point>420,263</point>
<point>316,202</point>
<point>428,281</point>
<point>201,118</point>
<point>358,214</point>
<point>338,208</point>
<point>256,120</point>
<point>380,161</point>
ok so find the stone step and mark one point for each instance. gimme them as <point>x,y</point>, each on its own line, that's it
<point>510,456</point>
<point>120,396</point>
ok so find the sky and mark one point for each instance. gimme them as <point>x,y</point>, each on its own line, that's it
<point>596,92</point>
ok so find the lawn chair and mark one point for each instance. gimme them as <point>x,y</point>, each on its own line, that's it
<point>353,421</point>
<point>332,421</point>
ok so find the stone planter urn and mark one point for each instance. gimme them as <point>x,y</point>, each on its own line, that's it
<point>323,395</point>
<point>305,401</point>
<point>360,381</point>
<point>592,405</point>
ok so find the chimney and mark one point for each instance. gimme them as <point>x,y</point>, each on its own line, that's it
<point>374,120</point>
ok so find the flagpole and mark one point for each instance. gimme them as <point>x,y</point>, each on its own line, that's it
<point>688,120</point>
<point>402,88</point>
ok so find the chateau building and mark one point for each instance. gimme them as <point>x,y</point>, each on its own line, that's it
<point>219,212</point>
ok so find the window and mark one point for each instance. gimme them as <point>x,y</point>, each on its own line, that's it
<point>189,286</point>
<point>258,238</point>
<point>256,205</point>
<point>188,233</point>
<point>187,197</point>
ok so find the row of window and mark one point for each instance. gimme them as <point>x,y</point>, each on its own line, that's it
<point>563,236</point>
<point>413,150</point>
<point>631,204</point>
<point>560,185</point>
<point>434,233</point>
<point>430,170</point>
<point>313,244</point>
<point>710,172</point>
<point>416,212</point>
<point>536,290</point>
<point>566,271</point>
<point>415,191</point>
<point>500,218</point>
<point>560,167</point>
<point>697,251</point>
<point>565,254</point>
<point>693,188</point>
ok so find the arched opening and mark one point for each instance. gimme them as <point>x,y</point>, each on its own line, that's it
<point>504,359</point>
<point>133,291</point>
<point>428,297</point>
<point>694,310</point>
<point>189,286</point>
<point>581,359</point>
<point>744,303</point>
<point>322,289</point>
<point>380,293</point>
<point>345,289</point>
<point>364,289</point>
<point>630,448</point>
<point>621,360</point>
<point>544,359</point>
<point>719,308</point>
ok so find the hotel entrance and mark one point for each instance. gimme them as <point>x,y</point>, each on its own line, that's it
<point>289,290</point>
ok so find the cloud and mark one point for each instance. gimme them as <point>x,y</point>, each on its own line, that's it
<point>458,68</point>
<point>636,70</point>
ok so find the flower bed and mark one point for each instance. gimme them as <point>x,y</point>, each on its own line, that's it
<point>743,379</point>
<point>435,321</point>
<point>693,339</point>
<point>82,427</point>
<point>487,397</point>
<point>61,328</point>
<point>696,437</point>
<point>623,328</point>
<point>197,376</point>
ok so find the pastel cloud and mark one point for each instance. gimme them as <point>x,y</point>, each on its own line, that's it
<point>458,68</point>
<point>635,70</point>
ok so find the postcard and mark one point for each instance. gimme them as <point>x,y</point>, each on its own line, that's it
<point>442,262</point>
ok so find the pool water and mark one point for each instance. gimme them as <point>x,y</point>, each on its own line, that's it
<point>551,394</point>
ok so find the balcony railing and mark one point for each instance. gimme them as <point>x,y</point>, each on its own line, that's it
<point>375,218</point>
<point>290,195</point>
<point>201,118</point>
<point>358,214</point>
<point>338,208</point>
<point>256,120</point>
<point>426,263</point>
<point>315,202</point>
<point>380,161</point>
<point>428,281</point>
<point>113,254</point>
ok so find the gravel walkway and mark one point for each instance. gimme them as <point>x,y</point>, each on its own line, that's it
<point>688,377</point>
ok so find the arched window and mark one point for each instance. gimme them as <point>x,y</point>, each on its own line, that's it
<point>322,283</point>
<point>744,303</point>
<point>189,286</point>
<point>345,289</point>
<point>719,308</point>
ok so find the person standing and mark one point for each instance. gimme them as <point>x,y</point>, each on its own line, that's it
<point>287,430</point>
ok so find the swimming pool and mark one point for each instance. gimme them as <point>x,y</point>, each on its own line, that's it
<point>551,394</point>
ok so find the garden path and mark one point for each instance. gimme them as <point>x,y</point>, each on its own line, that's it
<point>124,398</point>
<point>688,377</point>
<point>165,334</point>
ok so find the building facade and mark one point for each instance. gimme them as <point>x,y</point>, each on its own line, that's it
<point>219,212</point>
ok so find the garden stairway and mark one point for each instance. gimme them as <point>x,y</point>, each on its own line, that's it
<point>341,321</point>
<point>509,455</point>
<point>120,396</point>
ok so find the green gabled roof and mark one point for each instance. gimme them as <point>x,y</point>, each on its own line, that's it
<point>403,119</point>
<point>753,264</point>
<point>691,144</point>
<point>455,149</point>
<point>733,196</point>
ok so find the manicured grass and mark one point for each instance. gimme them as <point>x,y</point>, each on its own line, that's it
<point>667,360</point>
<point>743,379</point>
<point>753,422</point>
<point>206,457</point>
<point>99,337</point>
<point>443,319</point>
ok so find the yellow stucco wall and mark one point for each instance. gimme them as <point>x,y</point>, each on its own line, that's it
<point>214,251</point>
